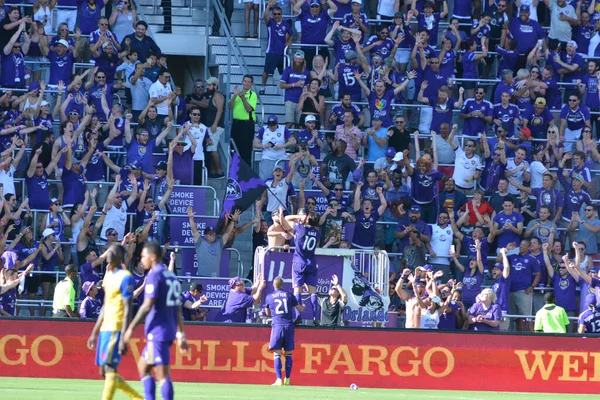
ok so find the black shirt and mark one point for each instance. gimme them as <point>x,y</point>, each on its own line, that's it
<point>399,140</point>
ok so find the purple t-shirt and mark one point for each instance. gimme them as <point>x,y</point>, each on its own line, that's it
<point>313,147</point>
<point>526,33</point>
<point>575,118</point>
<point>183,167</point>
<point>565,290</point>
<point>381,106</point>
<point>469,245</point>
<point>384,49</point>
<point>187,313</point>
<point>551,198</point>
<point>508,236</point>
<point>538,123</point>
<point>138,280</point>
<point>88,274</point>
<point>347,81</point>
<point>476,125</point>
<point>8,301</point>
<point>162,286</point>
<point>282,305</point>
<point>142,153</point>
<point>89,16</point>
<point>74,186</point>
<point>276,36</point>
<point>314,28</point>
<point>501,287</point>
<point>306,239</point>
<point>38,190</point>
<point>365,229</point>
<point>471,285</point>
<point>448,319</point>
<point>591,320</point>
<point>424,187</point>
<point>236,305</point>
<point>522,268</point>
<point>290,76</point>
<point>493,313</point>
<point>90,308</point>
<point>340,49</point>
<point>60,67</point>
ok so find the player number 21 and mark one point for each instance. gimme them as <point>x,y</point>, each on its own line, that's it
<point>279,304</point>
<point>173,293</point>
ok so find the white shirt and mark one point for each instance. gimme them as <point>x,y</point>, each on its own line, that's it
<point>7,180</point>
<point>116,219</point>
<point>276,193</point>
<point>518,177</point>
<point>441,240</point>
<point>537,170</point>
<point>199,133</point>
<point>465,167</point>
<point>430,320</point>
<point>278,137</point>
<point>594,41</point>
<point>158,90</point>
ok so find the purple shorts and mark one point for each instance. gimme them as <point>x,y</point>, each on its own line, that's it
<point>157,352</point>
<point>302,273</point>
<point>282,337</point>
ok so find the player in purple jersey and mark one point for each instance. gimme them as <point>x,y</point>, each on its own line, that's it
<point>163,323</point>
<point>280,305</point>
<point>589,320</point>
<point>304,265</point>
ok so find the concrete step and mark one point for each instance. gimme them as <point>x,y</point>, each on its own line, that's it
<point>196,20</point>
<point>175,11</point>
<point>188,30</point>
<point>259,62</point>
<point>174,3</point>
<point>221,49</point>
<point>236,69</point>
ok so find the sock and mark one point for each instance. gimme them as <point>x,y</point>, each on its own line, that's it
<point>110,386</point>
<point>315,305</point>
<point>298,297</point>
<point>124,387</point>
<point>288,366</point>
<point>166,389</point>
<point>149,387</point>
<point>278,365</point>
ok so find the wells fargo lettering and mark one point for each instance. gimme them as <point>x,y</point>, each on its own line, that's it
<point>574,366</point>
<point>14,350</point>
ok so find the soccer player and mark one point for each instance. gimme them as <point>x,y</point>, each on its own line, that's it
<point>162,310</point>
<point>280,304</point>
<point>304,265</point>
<point>112,323</point>
<point>589,320</point>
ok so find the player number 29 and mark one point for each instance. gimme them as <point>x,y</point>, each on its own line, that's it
<point>279,304</point>
<point>309,243</point>
<point>173,293</point>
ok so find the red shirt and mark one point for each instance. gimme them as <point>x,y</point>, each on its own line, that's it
<point>484,208</point>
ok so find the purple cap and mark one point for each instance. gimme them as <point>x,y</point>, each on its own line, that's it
<point>596,268</point>
<point>233,282</point>
<point>87,286</point>
<point>415,208</point>
<point>499,266</point>
<point>524,8</point>
<point>135,165</point>
<point>390,152</point>
<point>590,298</point>
<point>34,86</point>
<point>272,120</point>
<point>428,267</point>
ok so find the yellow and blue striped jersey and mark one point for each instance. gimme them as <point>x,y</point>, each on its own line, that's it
<point>118,286</point>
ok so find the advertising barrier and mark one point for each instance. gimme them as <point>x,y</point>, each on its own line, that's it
<point>366,357</point>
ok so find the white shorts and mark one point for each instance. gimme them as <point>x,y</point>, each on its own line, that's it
<point>571,137</point>
<point>215,137</point>
<point>426,118</point>
<point>67,16</point>
<point>402,56</point>
<point>256,2</point>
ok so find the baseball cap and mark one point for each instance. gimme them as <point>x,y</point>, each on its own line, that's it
<point>350,54</point>
<point>33,86</point>
<point>303,142</point>
<point>315,3</point>
<point>233,282</point>
<point>595,268</point>
<point>111,231</point>
<point>524,8</point>
<point>579,177</point>
<point>300,53</point>
<point>428,4</point>
<point>415,209</point>
<point>87,286</point>
<point>75,160</point>
<point>540,101</point>
<point>526,132</point>
<point>44,103</point>
<point>53,200</point>
<point>357,1</point>
<point>376,118</point>
<point>63,42</point>
<point>436,299</point>
<point>209,229</point>
<point>398,157</point>
<point>399,14</point>
<point>47,232</point>
<point>310,118</point>
<point>499,266</point>
<point>212,81</point>
<point>272,120</point>
<point>449,203</point>
<point>196,286</point>
<point>278,166</point>
<point>105,44</point>
<point>590,298</point>
<point>135,165</point>
<point>161,165</point>
<point>390,152</point>
<point>428,267</point>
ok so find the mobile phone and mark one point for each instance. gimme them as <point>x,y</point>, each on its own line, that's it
<point>452,249</point>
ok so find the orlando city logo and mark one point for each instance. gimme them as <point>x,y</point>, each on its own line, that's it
<point>234,191</point>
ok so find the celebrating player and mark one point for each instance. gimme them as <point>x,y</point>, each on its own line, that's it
<point>112,323</point>
<point>162,310</point>
<point>304,265</point>
<point>280,304</point>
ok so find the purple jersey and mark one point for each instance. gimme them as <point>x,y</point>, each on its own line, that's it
<point>289,76</point>
<point>276,36</point>
<point>384,49</point>
<point>522,269</point>
<point>463,9</point>
<point>347,81</point>
<point>281,304</point>
<point>507,115</point>
<point>38,190</point>
<point>61,68</point>
<point>88,274</point>
<point>565,289</point>
<point>575,59</point>
<point>162,286</point>
<point>365,229</point>
<point>186,313</point>
<point>575,118</point>
<point>492,172</point>
<point>551,198</point>
<point>591,84</point>
<point>501,287</point>
<point>8,301</point>
<point>476,125</point>
<point>509,59</point>
<point>424,187</point>
<point>471,285</point>
<point>236,305</point>
<point>90,308</point>
<point>469,66</point>
<point>430,24</point>
<point>314,28</point>
<point>526,33</point>
<point>442,113</point>
<point>340,49</point>
<point>74,187</point>
<point>306,239</point>
<point>591,320</point>
<point>493,313</point>
<point>469,245</point>
<point>508,236</point>
<point>448,319</point>
<point>138,280</point>
<point>538,123</point>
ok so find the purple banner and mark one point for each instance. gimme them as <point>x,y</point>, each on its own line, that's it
<point>185,196</point>
<point>280,264</point>
<point>181,235</point>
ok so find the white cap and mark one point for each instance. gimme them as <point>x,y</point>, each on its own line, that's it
<point>310,118</point>
<point>47,232</point>
<point>357,1</point>
<point>398,157</point>
<point>63,42</point>
<point>44,103</point>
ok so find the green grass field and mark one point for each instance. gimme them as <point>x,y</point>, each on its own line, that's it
<point>62,389</point>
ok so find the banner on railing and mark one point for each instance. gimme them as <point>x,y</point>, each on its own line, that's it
<point>365,307</point>
<point>181,235</point>
<point>368,358</point>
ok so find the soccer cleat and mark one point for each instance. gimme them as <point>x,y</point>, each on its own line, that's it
<point>287,382</point>
<point>278,382</point>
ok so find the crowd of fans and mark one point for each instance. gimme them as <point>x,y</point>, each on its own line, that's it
<point>506,201</point>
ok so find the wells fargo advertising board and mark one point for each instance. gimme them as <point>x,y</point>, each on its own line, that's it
<point>369,358</point>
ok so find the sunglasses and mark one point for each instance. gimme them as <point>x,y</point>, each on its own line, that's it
<point>334,204</point>
<point>338,190</point>
<point>39,166</point>
<point>589,209</point>
<point>276,14</point>
<point>103,24</point>
<point>377,58</point>
<point>311,203</point>
<point>479,92</point>
<point>180,144</point>
<point>497,154</point>
<point>572,100</point>
<point>469,145</point>
<point>195,114</point>
<point>101,77</point>
<point>150,202</point>
<point>400,122</point>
